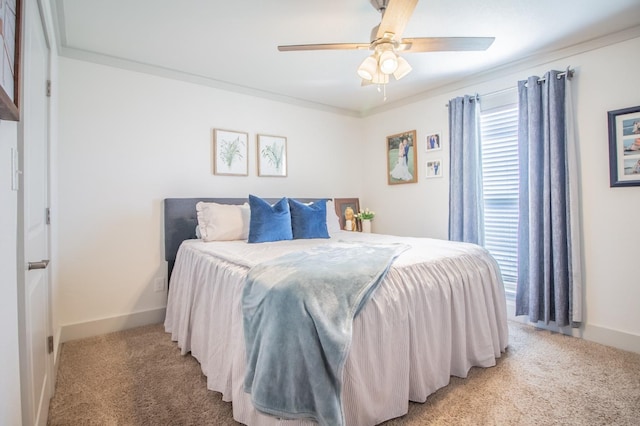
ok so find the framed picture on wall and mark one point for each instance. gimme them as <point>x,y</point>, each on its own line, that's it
<point>230,153</point>
<point>346,209</point>
<point>624,147</point>
<point>272,156</point>
<point>434,168</point>
<point>10,33</point>
<point>433,142</point>
<point>402,158</point>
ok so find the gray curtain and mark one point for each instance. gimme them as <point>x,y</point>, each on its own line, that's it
<point>466,221</point>
<point>548,241</point>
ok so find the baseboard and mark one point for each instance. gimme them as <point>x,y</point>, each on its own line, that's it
<point>109,325</point>
<point>57,336</point>
<point>56,354</point>
<point>617,339</point>
<point>593,333</point>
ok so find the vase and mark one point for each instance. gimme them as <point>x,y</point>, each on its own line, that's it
<point>366,225</point>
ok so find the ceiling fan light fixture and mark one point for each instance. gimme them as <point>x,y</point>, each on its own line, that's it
<point>403,68</point>
<point>368,68</point>
<point>380,78</point>
<point>388,62</point>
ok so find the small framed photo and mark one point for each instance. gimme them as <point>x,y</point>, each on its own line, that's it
<point>347,209</point>
<point>402,158</point>
<point>434,168</point>
<point>272,156</point>
<point>230,153</point>
<point>434,142</point>
<point>624,147</point>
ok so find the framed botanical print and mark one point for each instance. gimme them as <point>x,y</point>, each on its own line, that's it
<point>230,153</point>
<point>272,156</point>
<point>402,158</point>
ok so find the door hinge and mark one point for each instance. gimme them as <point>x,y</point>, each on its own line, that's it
<point>50,344</point>
<point>48,88</point>
<point>47,216</point>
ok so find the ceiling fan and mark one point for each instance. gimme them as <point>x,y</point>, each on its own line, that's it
<point>387,42</point>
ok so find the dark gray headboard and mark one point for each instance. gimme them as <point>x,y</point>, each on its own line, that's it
<point>180,221</point>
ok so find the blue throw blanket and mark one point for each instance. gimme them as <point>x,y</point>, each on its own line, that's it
<point>298,315</point>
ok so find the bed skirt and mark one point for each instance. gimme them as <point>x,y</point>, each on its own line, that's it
<point>426,322</point>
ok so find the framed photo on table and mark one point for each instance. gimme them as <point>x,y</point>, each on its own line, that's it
<point>624,147</point>
<point>347,209</point>
<point>10,33</point>
<point>272,156</point>
<point>230,153</point>
<point>402,158</point>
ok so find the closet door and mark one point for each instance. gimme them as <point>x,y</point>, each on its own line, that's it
<point>33,234</point>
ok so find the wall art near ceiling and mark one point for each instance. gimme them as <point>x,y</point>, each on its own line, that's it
<point>10,34</point>
<point>434,142</point>
<point>272,156</point>
<point>434,168</point>
<point>624,147</point>
<point>402,158</point>
<point>347,209</point>
<point>230,153</point>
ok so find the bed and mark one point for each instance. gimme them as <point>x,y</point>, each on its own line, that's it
<point>439,311</point>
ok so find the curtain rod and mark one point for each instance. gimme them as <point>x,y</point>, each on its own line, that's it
<point>568,73</point>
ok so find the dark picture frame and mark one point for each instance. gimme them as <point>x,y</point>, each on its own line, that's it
<point>624,146</point>
<point>341,206</point>
<point>402,160</point>
<point>11,36</point>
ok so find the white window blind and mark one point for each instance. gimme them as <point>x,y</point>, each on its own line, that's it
<point>499,133</point>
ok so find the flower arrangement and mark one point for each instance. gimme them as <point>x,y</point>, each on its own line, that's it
<point>366,214</point>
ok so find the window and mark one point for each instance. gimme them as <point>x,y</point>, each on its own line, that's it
<point>499,135</point>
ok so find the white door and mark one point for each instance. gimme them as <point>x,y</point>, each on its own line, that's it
<point>35,325</point>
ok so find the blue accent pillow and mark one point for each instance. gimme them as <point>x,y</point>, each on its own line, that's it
<point>309,221</point>
<point>269,223</point>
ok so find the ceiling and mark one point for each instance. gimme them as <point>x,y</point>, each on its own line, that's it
<point>233,44</point>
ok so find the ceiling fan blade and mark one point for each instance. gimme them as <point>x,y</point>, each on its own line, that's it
<point>395,17</point>
<point>327,46</point>
<point>445,44</point>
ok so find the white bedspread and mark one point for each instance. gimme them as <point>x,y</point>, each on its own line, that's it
<point>439,311</point>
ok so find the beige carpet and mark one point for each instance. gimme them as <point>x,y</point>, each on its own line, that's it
<point>138,377</point>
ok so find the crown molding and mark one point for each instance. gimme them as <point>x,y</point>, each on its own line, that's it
<point>450,86</point>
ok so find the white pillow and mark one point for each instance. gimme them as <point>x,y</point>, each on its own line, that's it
<point>333,221</point>
<point>223,222</point>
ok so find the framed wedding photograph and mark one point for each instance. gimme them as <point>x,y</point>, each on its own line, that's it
<point>346,209</point>
<point>272,156</point>
<point>434,168</point>
<point>10,33</point>
<point>624,147</point>
<point>230,153</point>
<point>402,158</point>
<point>434,142</point>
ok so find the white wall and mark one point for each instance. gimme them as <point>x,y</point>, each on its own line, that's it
<point>606,79</point>
<point>10,412</point>
<point>127,140</point>
<point>415,209</point>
